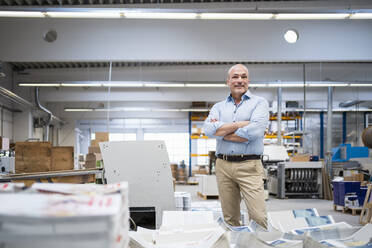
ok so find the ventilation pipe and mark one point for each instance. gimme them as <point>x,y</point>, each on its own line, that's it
<point>50,115</point>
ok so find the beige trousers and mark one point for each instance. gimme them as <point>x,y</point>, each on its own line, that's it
<point>244,177</point>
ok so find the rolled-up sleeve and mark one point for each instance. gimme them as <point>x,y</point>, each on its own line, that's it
<point>210,128</point>
<point>258,122</point>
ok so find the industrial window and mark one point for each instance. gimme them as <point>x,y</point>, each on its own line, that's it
<point>177,145</point>
<point>203,148</point>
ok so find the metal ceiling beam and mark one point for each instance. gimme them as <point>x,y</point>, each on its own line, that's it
<point>235,5</point>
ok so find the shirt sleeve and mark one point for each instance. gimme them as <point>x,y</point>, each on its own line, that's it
<point>210,128</point>
<point>258,123</point>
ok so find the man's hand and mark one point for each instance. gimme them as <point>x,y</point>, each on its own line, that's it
<point>234,138</point>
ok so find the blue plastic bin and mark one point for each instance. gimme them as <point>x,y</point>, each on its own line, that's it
<point>340,189</point>
<point>362,195</point>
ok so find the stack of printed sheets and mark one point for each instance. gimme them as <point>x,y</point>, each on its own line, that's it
<point>70,215</point>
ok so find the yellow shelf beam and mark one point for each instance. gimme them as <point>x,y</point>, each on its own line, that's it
<point>199,155</point>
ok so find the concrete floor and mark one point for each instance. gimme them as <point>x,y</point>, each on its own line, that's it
<point>324,207</point>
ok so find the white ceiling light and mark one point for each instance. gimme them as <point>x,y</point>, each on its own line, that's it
<point>361,85</point>
<point>124,85</point>
<point>78,109</point>
<point>361,16</point>
<point>40,84</point>
<point>33,14</point>
<point>83,14</point>
<point>312,16</point>
<point>291,36</point>
<point>152,15</point>
<point>81,85</point>
<point>236,16</point>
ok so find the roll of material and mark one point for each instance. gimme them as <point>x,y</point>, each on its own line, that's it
<point>367,137</point>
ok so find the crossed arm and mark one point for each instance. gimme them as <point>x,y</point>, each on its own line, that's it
<point>227,131</point>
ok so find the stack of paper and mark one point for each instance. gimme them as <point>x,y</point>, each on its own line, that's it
<point>289,220</point>
<point>11,187</point>
<point>341,237</point>
<point>215,207</point>
<point>79,216</point>
<point>183,201</point>
<point>182,230</point>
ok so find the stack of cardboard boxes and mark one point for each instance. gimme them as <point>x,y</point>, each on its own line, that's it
<point>94,157</point>
<point>42,157</point>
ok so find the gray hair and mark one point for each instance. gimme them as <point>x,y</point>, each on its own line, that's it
<point>234,66</point>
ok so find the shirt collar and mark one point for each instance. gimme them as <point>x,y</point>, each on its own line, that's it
<point>247,95</point>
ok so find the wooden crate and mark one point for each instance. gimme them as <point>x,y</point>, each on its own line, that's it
<point>33,157</point>
<point>102,136</point>
<point>62,158</point>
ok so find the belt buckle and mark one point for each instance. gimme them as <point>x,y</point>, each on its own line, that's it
<point>224,157</point>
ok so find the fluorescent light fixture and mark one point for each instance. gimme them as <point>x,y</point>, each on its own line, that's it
<point>361,16</point>
<point>169,15</point>
<point>194,110</point>
<point>78,109</point>
<point>313,16</point>
<point>205,85</point>
<point>33,14</point>
<point>164,85</point>
<point>81,85</point>
<point>360,85</point>
<point>236,16</point>
<point>149,15</point>
<point>123,85</point>
<point>291,36</point>
<point>40,84</point>
<point>83,14</point>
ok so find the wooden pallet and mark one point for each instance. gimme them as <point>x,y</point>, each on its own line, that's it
<point>352,210</point>
<point>66,176</point>
<point>207,197</point>
<point>366,214</point>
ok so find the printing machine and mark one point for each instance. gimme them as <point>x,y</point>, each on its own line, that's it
<point>295,179</point>
<point>286,178</point>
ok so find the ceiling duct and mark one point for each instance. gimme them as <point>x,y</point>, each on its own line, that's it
<point>50,115</point>
<point>349,103</point>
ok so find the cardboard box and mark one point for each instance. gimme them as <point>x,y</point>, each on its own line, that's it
<point>102,136</point>
<point>33,157</point>
<point>4,144</point>
<point>301,158</point>
<point>62,158</point>
<point>94,143</point>
<point>94,149</point>
<point>90,164</point>
<point>355,177</point>
<point>93,157</point>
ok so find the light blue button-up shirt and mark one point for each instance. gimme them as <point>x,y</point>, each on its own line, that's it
<point>251,108</point>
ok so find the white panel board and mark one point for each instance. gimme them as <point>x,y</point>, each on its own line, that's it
<point>145,166</point>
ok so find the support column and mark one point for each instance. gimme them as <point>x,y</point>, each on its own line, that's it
<point>329,131</point>
<point>321,138</point>
<point>279,116</point>
<point>344,127</point>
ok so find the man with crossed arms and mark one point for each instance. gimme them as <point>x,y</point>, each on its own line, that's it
<point>238,123</point>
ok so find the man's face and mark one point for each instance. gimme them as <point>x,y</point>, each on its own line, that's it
<point>238,81</point>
